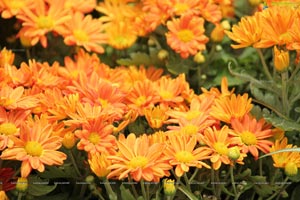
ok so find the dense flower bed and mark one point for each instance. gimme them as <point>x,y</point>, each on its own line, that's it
<point>127,100</point>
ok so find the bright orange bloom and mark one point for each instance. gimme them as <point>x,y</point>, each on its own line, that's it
<point>295,34</point>
<point>7,57</point>
<point>85,31</point>
<point>289,3</point>
<point>142,96</point>
<point>96,136</point>
<point>10,123</point>
<point>219,143</point>
<point>186,35</point>
<point>230,107</point>
<point>3,195</point>
<point>247,32</point>
<point>156,116</point>
<point>139,159</point>
<point>182,153</point>
<point>42,19</point>
<point>14,98</point>
<point>215,92</point>
<point>281,59</point>
<point>276,23</point>
<point>252,134</point>
<point>210,11</point>
<point>13,7</point>
<point>35,147</point>
<point>180,7</point>
<point>83,6</point>
<point>290,161</point>
<point>99,164</point>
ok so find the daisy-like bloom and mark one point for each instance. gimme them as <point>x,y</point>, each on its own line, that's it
<point>276,23</point>
<point>35,147</point>
<point>11,8</point>
<point>215,92</point>
<point>219,143</point>
<point>99,164</point>
<point>295,34</point>
<point>10,122</point>
<point>247,32</point>
<point>182,153</point>
<point>170,90</point>
<point>186,35</point>
<point>158,137</point>
<point>7,57</point>
<point>83,30</point>
<point>15,98</point>
<point>6,174</point>
<point>210,11</point>
<point>42,19</point>
<point>180,7</point>
<point>139,159</point>
<point>230,107</point>
<point>156,116</point>
<point>142,96</point>
<point>83,6</point>
<point>252,134</point>
<point>290,161</point>
<point>96,136</point>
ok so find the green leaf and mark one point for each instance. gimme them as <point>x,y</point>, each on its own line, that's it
<point>187,193</point>
<point>285,124</point>
<point>261,186</point>
<point>126,194</point>
<point>137,58</point>
<point>38,186</point>
<point>65,171</point>
<point>60,196</point>
<point>281,151</point>
<point>177,65</point>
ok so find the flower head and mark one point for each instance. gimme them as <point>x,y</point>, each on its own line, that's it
<point>99,164</point>
<point>281,59</point>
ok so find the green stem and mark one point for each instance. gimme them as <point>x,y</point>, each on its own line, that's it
<point>212,180</point>
<point>143,189</point>
<point>132,187</point>
<point>194,174</point>
<point>264,64</point>
<point>284,93</point>
<point>111,194</point>
<point>260,164</point>
<point>294,73</point>
<point>74,163</point>
<point>232,180</point>
<point>187,182</point>
<point>284,185</point>
<point>190,195</point>
<point>20,195</point>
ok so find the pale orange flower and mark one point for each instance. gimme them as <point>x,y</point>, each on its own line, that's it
<point>7,57</point>
<point>295,34</point>
<point>252,134</point>
<point>233,106</point>
<point>182,153</point>
<point>186,35</point>
<point>210,11</point>
<point>180,7</point>
<point>85,31</point>
<point>42,19</point>
<point>156,116</point>
<point>219,142</point>
<point>13,7</point>
<point>35,147</point>
<point>247,32</point>
<point>139,159</point>
<point>215,92</point>
<point>83,6</point>
<point>15,98</point>
<point>99,164</point>
<point>96,136</point>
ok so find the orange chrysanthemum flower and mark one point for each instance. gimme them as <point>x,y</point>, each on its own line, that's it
<point>289,3</point>
<point>85,31</point>
<point>295,34</point>
<point>156,116</point>
<point>186,35</point>
<point>42,19</point>
<point>219,142</point>
<point>139,159</point>
<point>7,57</point>
<point>215,92</point>
<point>99,164</point>
<point>290,161</point>
<point>96,136</point>
<point>10,123</point>
<point>180,7</point>
<point>182,153</point>
<point>230,107</point>
<point>35,147</point>
<point>210,11</point>
<point>15,98</point>
<point>11,8</point>
<point>83,6</point>
<point>247,32</point>
<point>252,134</point>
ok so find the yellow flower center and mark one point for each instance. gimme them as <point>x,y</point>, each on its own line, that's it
<point>221,148</point>
<point>181,8</point>
<point>103,102</point>
<point>34,148</point>
<point>291,169</point>
<point>184,156</point>
<point>138,161</point>
<point>166,94</point>
<point>285,37</point>
<point>248,138</point>
<point>81,36</point>
<point>189,129</point>
<point>192,114</point>
<point>94,138</point>
<point>8,129</point>
<point>140,100</point>
<point>185,35</point>
<point>45,22</point>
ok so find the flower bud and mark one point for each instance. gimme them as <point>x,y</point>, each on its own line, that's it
<point>217,33</point>
<point>255,2</point>
<point>226,25</point>
<point>281,59</point>
<point>169,187</point>
<point>22,184</point>
<point>234,153</point>
<point>199,58</point>
<point>163,54</point>
<point>291,169</point>
<point>69,140</point>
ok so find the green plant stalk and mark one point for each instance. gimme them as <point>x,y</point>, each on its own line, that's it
<point>74,163</point>
<point>190,195</point>
<point>284,93</point>
<point>187,182</point>
<point>232,180</point>
<point>194,174</point>
<point>283,187</point>
<point>20,195</point>
<point>132,187</point>
<point>264,64</point>
<point>143,189</point>
<point>111,194</point>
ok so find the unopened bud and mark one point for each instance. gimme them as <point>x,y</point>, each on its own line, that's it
<point>234,153</point>
<point>291,169</point>
<point>163,54</point>
<point>22,184</point>
<point>199,58</point>
<point>69,140</point>
<point>217,33</point>
<point>281,59</point>
<point>169,187</point>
